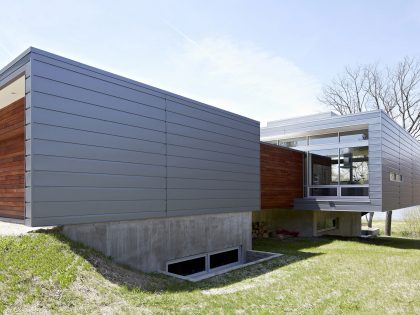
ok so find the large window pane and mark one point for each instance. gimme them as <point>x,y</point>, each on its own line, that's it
<point>276,142</point>
<point>324,167</point>
<point>354,191</point>
<point>324,139</point>
<point>294,142</point>
<point>354,165</point>
<point>319,192</point>
<point>354,136</point>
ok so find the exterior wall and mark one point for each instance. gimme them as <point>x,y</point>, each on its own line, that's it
<point>148,244</point>
<point>12,160</point>
<point>104,148</point>
<point>281,176</point>
<point>331,123</point>
<point>401,155</point>
<point>305,221</point>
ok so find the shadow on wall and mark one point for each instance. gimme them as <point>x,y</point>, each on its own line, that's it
<point>155,282</point>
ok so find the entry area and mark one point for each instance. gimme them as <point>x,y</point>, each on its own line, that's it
<point>12,150</point>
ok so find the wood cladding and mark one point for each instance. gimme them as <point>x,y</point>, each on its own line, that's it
<point>12,160</point>
<point>281,176</point>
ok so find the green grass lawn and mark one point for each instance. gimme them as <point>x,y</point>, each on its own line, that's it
<point>46,273</point>
<point>398,227</point>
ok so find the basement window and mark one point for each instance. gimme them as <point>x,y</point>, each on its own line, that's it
<point>198,265</point>
<point>224,258</point>
<point>188,267</point>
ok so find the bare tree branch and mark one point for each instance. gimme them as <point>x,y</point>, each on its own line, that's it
<point>395,90</point>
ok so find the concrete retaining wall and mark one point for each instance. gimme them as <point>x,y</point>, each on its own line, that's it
<point>147,245</point>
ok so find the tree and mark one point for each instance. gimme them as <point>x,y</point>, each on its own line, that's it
<point>395,90</point>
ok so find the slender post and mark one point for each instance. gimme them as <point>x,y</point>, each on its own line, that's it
<point>388,223</point>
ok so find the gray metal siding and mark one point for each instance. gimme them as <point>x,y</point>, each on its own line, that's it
<point>401,153</point>
<point>106,148</point>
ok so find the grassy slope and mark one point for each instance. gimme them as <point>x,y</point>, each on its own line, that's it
<point>44,272</point>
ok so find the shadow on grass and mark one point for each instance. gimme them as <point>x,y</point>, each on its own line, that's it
<point>134,281</point>
<point>394,242</point>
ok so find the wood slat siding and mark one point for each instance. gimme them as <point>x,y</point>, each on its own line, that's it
<point>12,160</point>
<point>281,176</point>
<point>104,148</point>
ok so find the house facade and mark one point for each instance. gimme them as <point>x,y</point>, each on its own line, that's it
<point>351,164</point>
<point>146,176</point>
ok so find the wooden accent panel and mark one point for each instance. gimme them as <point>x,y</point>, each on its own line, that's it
<point>12,160</point>
<point>281,176</point>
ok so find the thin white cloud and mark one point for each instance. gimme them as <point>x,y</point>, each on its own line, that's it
<point>241,78</point>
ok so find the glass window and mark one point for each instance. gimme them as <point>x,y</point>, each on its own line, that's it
<point>294,142</point>
<point>324,167</point>
<point>354,165</point>
<point>354,136</point>
<point>324,139</point>
<point>319,192</point>
<point>354,191</point>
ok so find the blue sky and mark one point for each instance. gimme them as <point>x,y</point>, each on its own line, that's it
<point>263,59</point>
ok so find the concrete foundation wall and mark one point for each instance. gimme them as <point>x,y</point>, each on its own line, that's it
<point>305,222</point>
<point>147,245</point>
<point>349,223</point>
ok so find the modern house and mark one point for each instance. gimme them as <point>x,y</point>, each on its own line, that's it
<point>155,180</point>
<point>350,165</point>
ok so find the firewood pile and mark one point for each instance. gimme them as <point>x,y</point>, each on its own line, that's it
<point>259,230</point>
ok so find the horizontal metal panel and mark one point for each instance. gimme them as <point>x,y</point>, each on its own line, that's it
<point>216,118</point>
<point>43,116</point>
<point>106,114</point>
<point>181,172</point>
<point>209,108</point>
<point>211,204</point>
<point>208,126</point>
<point>212,146</point>
<point>195,194</point>
<point>95,218</point>
<point>182,183</point>
<point>54,148</point>
<point>49,194</point>
<point>211,155</point>
<point>67,179</point>
<point>47,132</point>
<point>52,163</point>
<point>79,208</point>
<point>211,136</point>
<point>91,83</point>
<point>174,161</point>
